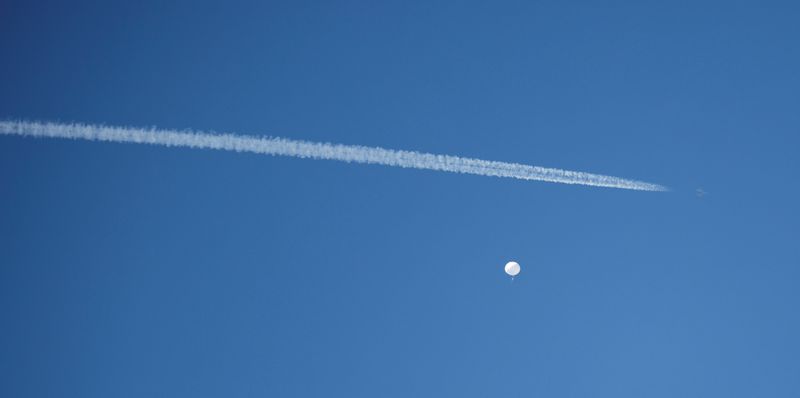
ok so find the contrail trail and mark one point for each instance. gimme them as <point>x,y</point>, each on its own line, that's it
<point>316,150</point>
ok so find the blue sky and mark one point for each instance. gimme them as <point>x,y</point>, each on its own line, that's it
<point>132,270</point>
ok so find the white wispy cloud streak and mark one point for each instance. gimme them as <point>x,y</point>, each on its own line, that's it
<point>316,150</point>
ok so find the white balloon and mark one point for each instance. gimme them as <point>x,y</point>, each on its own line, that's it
<point>512,268</point>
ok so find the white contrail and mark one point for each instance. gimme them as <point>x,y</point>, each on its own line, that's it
<point>315,150</point>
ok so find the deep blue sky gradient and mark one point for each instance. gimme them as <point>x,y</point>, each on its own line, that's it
<point>129,271</point>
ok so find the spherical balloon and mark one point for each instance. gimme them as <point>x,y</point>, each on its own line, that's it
<point>512,268</point>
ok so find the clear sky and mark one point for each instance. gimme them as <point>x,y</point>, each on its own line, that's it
<point>130,271</point>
